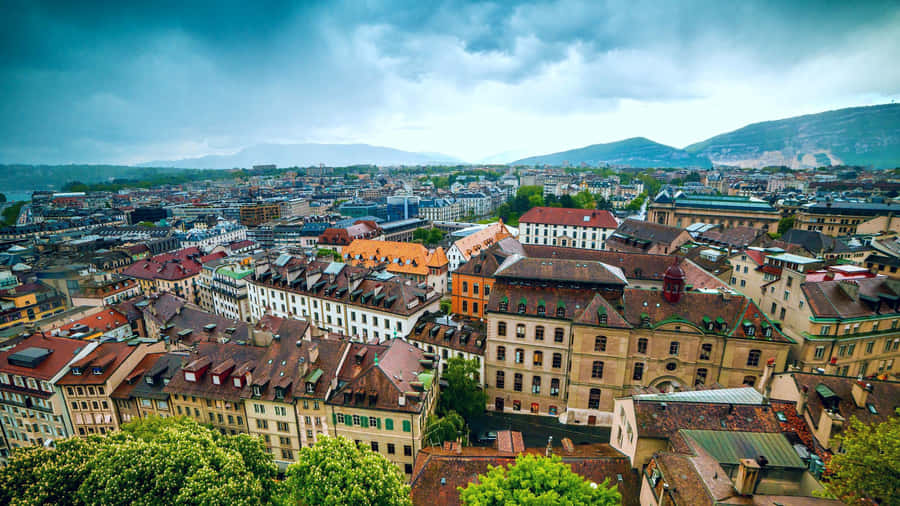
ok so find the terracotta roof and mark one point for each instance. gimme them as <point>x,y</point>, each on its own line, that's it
<point>105,358</point>
<point>439,472</point>
<point>463,339</point>
<point>101,321</point>
<point>735,237</point>
<point>397,257</point>
<point>570,217</point>
<point>884,397</point>
<point>171,266</point>
<point>474,243</point>
<point>578,271</point>
<point>438,258</point>
<point>828,299</point>
<point>661,420</point>
<point>134,378</point>
<point>62,349</point>
<point>574,300</point>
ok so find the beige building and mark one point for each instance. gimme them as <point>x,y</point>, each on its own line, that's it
<point>383,398</point>
<point>847,218</point>
<point>681,210</point>
<point>141,393</point>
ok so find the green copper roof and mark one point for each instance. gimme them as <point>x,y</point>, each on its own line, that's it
<point>729,447</point>
<point>314,376</point>
<point>426,378</point>
<point>235,274</point>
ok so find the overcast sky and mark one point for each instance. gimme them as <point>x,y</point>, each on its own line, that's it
<point>126,83</point>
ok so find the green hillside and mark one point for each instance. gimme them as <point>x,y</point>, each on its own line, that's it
<point>634,152</point>
<point>866,136</point>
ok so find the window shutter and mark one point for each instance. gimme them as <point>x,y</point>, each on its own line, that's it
<point>333,419</point>
<point>388,424</point>
<point>378,423</point>
<point>406,426</point>
<point>364,421</point>
<point>348,420</point>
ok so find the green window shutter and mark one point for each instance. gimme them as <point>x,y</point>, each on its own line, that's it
<point>378,423</point>
<point>333,419</point>
<point>364,421</point>
<point>406,426</point>
<point>388,424</point>
<point>348,420</point>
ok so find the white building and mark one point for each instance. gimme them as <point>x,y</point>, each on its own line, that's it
<point>223,233</point>
<point>569,228</point>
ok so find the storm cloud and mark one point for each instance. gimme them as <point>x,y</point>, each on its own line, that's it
<point>126,83</point>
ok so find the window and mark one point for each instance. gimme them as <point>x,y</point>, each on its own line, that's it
<point>391,449</point>
<point>597,369</point>
<point>388,424</point>
<point>474,307</point>
<point>538,359</point>
<point>521,308</point>
<point>501,353</point>
<point>487,290</point>
<point>753,358</point>
<point>558,335</point>
<point>820,352</point>
<point>465,306</point>
<point>557,360</point>
<point>407,427</point>
<point>642,345</point>
<point>600,343</point>
<point>374,446</point>
<point>560,312</point>
<point>501,379</point>
<point>850,349</point>
<point>554,386</point>
<point>539,333</point>
<point>282,426</point>
<point>520,331</point>
<point>594,399</point>
<point>826,329</point>
<point>673,347</point>
<point>407,450</point>
<point>750,380</point>
<point>465,287</point>
<point>536,385</point>
<point>705,351</point>
<point>407,468</point>
<point>260,424</point>
<point>517,382</point>
<point>519,356</point>
<point>638,372</point>
<point>541,310</point>
<point>701,377</point>
<point>501,328</point>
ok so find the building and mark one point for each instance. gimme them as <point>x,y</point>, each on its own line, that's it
<point>88,385</point>
<point>448,339</point>
<point>257,214</point>
<point>105,291</point>
<point>818,244</point>
<point>462,249</point>
<point>402,208</point>
<point>409,260</point>
<point>635,236</point>
<point>845,218</point>
<point>569,228</point>
<point>208,238</point>
<point>176,272</point>
<point>222,289</point>
<point>383,398</point>
<point>440,209</point>
<point>474,204</point>
<point>105,323</point>
<point>402,230</point>
<point>295,207</point>
<point>29,302</point>
<point>680,210</point>
<point>472,281</point>
<point>141,393</point>
<point>339,298</point>
<point>883,264</point>
<point>337,238</point>
<point>34,411</point>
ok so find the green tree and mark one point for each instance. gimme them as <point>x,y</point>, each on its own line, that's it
<point>11,213</point>
<point>446,306</point>
<point>536,480</point>
<point>463,393</point>
<point>335,471</point>
<point>585,200</point>
<point>867,470</point>
<point>636,203</point>
<point>2,197</point>
<point>171,461</point>
<point>429,236</point>
<point>785,224</point>
<point>328,252</point>
<point>447,428</point>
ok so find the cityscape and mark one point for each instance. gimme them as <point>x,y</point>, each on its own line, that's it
<point>205,299</point>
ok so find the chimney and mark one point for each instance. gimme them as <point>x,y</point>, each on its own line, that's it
<point>764,381</point>
<point>549,451</point>
<point>747,477</point>
<point>313,353</point>
<point>830,423</point>
<point>860,392</point>
<point>804,398</point>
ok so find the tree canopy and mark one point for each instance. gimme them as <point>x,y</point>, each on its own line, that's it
<point>336,471</point>
<point>152,461</point>
<point>447,428</point>
<point>536,480</point>
<point>428,236</point>
<point>463,393</point>
<point>867,470</point>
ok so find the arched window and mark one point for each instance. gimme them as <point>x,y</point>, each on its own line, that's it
<point>753,358</point>
<point>597,369</point>
<point>541,310</point>
<point>501,379</point>
<point>538,359</point>
<point>521,308</point>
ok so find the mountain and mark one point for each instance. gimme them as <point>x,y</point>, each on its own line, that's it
<point>634,152</point>
<point>304,155</point>
<point>866,136</point>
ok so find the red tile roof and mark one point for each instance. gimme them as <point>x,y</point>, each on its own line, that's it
<point>570,217</point>
<point>101,321</point>
<point>171,266</point>
<point>63,350</point>
<point>108,357</point>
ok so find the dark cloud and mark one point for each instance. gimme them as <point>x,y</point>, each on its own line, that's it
<point>129,81</point>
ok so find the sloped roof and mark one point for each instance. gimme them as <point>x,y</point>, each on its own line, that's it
<point>64,350</point>
<point>108,355</point>
<point>649,231</point>
<point>884,397</point>
<point>729,447</point>
<point>473,243</point>
<point>561,270</point>
<point>828,300</point>
<point>744,395</point>
<point>570,217</point>
<point>398,257</point>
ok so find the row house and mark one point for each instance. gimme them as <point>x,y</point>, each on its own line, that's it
<point>175,273</point>
<point>105,291</point>
<point>141,393</point>
<point>339,298</point>
<point>569,228</point>
<point>463,249</point>
<point>29,302</point>
<point>448,339</point>
<point>409,260</point>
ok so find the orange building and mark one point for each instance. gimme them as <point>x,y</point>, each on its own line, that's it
<point>473,280</point>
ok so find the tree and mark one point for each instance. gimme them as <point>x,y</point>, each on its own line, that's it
<point>152,461</point>
<point>785,224</point>
<point>428,236</point>
<point>867,469</point>
<point>447,428</point>
<point>463,393</point>
<point>446,306</point>
<point>585,200</point>
<point>536,480</point>
<point>637,203</point>
<point>328,252</point>
<point>336,471</point>
<point>2,197</point>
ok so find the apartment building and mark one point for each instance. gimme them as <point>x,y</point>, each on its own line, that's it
<point>448,339</point>
<point>569,228</point>
<point>211,385</point>
<point>88,386</point>
<point>439,209</point>
<point>208,238</point>
<point>29,302</point>
<point>255,215</point>
<point>339,298</point>
<point>636,236</point>
<point>409,260</point>
<point>222,289</point>
<point>32,408</point>
<point>105,291</point>
<point>338,238</point>
<point>462,249</point>
<point>176,272</point>
<point>844,218</point>
<point>681,210</point>
<point>141,393</point>
<point>383,398</point>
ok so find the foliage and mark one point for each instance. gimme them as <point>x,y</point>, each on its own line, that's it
<point>328,252</point>
<point>463,394</point>
<point>637,203</point>
<point>785,224</point>
<point>152,461</point>
<point>446,306</point>
<point>526,198</point>
<point>2,197</point>
<point>148,224</point>
<point>429,236</point>
<point>447,428</point>
<point>536,480</point>
<point>11,213</point>
<point>867,469</point>
<point>584,200</point>
<point>336,471</point>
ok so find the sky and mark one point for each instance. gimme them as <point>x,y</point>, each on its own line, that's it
<point>128,82</point>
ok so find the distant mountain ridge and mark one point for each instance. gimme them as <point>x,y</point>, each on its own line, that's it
<point>865,136</point>
<point>304,155</point>
<point>633,152</point>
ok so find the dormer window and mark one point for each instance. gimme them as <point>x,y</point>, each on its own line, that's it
<point>190,376</point>
<point>521,308</point>
<point>310,388</point>
<point>279,393</point>
<point>76,371</point>
<point>541,310</point>
<point>238,382</point>
<point>149,380</point>
<point>216,380</point>
<point>257,391</point>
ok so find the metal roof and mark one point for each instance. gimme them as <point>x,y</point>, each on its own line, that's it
<point>728,447</point>
<point>794,259</point>
<point>334,268</point>
<point>743,395</point>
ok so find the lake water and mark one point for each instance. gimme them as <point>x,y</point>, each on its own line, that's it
<point>12,195</point>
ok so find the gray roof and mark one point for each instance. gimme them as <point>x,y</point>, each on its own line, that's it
<point>744,395</point>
